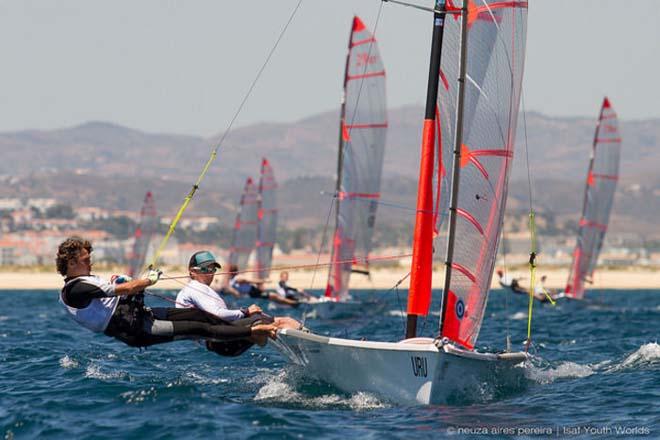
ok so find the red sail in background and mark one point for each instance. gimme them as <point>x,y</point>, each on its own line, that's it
<point>143,234</point>
<point>244,236</point>
<point>599,192</point>
<point>362,131</point>
<point>267,215</point>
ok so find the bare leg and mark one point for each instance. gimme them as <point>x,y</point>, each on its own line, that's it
<point>283,322</point>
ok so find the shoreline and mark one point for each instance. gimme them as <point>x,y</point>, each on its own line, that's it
<point>386,278</point>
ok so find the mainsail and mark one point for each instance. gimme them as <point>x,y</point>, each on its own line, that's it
<point>143,233</point>
<point>362,131</point>
<point>599,191</point>
<point>245,228</point>
<point>267,214</point>
<point>479,119</point>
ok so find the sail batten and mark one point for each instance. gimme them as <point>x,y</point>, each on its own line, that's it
<point>602,178</point>
<point>362,130</point>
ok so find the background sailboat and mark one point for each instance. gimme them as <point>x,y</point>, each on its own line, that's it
<point>145,230</point>
<point>482,45</point>
<point>600,187</point>
<point>267,220</point>
<point>362,135</point>
<point>244,235</point>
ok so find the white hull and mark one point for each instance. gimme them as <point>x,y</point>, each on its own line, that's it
<point>415,371</point>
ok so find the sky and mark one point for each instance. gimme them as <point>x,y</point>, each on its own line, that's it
<point>184,66</point>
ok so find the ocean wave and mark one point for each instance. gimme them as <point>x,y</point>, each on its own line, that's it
<point>281,388</point>
<point>648,355</point>
<point>200,379</point>
<point>67,362</point>
<point>565,370</point>
<point>139,395</point>
<point>93,371</point>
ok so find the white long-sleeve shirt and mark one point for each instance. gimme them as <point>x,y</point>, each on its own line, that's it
<point>199,295</point>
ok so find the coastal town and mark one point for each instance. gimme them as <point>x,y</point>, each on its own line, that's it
<point>31,229</point>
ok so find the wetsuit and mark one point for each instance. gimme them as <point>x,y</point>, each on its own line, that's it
<point>511,284</point>
<point>247,289</point>
<point>91,301</point>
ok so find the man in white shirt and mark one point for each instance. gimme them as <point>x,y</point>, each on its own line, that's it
<point>199,294</point>
<point>510,283</point>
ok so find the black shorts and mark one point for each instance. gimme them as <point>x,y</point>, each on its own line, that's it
<point>255,292</point>
<point>237,348</point>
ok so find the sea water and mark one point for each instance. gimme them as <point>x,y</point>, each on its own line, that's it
<point>595,372</point>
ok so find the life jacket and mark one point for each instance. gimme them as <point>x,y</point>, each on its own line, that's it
<point>98,313</point>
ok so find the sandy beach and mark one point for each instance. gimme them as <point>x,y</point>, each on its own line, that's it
<point>631,278</point>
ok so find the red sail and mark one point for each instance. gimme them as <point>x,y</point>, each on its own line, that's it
<point>599,192</point>
<point>495,58</point>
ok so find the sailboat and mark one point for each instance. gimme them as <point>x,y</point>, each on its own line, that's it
<point>267,220</point>
<point>474,85</point>
<point>362,132</point>
<point>244,235</point>
<point>602,179</point>
<point>143,234</point>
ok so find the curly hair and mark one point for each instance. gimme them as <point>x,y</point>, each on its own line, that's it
<point>70,249</point>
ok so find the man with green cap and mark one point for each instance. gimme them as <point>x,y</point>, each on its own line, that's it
<point>198,294</point>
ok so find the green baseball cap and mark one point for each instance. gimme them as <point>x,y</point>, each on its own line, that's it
<point>203,259</point>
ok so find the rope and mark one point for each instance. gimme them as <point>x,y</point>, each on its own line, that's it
<point>308,266</point>
<point>532,277</point>
<point>214,153</point>
<point>324,236</point>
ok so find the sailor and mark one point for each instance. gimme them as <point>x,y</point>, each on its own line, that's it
<point>254,288</point>
<point>510,283</point>
<point>541,293</point>
<point>118,310</point>
<point>283,289</point>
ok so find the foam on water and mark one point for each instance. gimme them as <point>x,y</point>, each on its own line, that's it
<point>201,379</point>
<point>648,355</point>
<point>139,395</point>
<point>281,388</point>
<point>93,371</point>
<point>67,362</point>
<point>518,316</point>
<point>565,370</point>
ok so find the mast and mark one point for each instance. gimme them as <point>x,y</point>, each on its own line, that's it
<point>419,298</point>
<point>453,201</point>
<point>340,149</point>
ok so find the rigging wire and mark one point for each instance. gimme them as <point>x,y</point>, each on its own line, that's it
<point>324,236</point>
<point>214,152</point>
